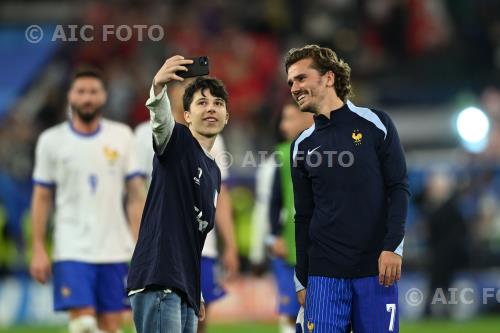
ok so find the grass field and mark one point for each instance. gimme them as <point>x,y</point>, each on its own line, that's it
<point>483,325</point>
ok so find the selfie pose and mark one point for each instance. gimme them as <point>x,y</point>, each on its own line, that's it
<point>164,279</point>
<point>213,262</point>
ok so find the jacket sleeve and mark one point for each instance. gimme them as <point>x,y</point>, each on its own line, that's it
<point>394,172</point>
<point>304,206</point>
<point>162,120</point>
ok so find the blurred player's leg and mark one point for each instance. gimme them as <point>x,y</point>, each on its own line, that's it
<point>288,305</point>
<point>128,320</point>
<point>73,292</point>
<point>110,322</point>
<point>210,286</point>
<point>111,298</point>
<point>82,321</point>
<point>86,289</point>
<point>287,324</point>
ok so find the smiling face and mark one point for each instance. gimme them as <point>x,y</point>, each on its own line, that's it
<point>308,87</point>
<point>207,114</point>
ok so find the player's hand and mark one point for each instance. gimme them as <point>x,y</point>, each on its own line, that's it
<point>201,316</point>
<point>279,247</point>
<point>389,268</point>
<point>301,296</point>
<point>40,265</point>
<point>231,263</point>
<point>167,72</point>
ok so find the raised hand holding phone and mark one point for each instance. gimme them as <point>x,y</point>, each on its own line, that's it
<point>199,67</point>
<point>169,71</point>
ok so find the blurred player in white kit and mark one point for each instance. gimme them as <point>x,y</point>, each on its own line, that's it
<point>83,168</point>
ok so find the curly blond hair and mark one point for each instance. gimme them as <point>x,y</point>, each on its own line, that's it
<point>324,60</point>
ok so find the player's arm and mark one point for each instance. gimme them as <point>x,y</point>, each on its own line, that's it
<point>162,120</point>
<point>304,205</point>
<point>396,182</point>
<point>136,197</point>
<point>275,241</point>
<point>41,204</point>
<point>225,228</point>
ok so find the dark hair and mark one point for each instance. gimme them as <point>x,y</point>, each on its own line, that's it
<point>324,60</point>
<point>215,86</point>
<point>88,71</point>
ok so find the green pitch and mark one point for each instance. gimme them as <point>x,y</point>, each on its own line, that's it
<point>483,325</point>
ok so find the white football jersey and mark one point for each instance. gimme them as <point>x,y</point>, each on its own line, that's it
<point>145,153</point>
<point>88,172</point>
<point>144,148</point>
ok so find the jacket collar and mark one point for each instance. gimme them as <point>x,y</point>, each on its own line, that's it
<point>336,116</point>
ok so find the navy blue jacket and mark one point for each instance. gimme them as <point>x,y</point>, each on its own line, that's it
<point>351,193</point>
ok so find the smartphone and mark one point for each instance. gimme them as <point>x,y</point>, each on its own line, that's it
<point>199,67</point>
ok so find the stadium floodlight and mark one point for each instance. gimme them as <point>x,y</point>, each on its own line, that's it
<point>473,127</point>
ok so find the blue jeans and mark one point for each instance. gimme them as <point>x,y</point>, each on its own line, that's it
<point>162,312</point>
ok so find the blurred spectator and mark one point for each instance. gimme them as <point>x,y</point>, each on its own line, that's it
<point>447,232</point>
<point>16,164</point>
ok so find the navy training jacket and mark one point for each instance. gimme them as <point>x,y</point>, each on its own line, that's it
<point>351,193</point>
